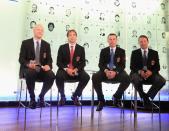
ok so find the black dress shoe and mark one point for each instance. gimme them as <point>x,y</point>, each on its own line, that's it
<point>76,101</point>
<point>100,106</point>
<point>32,104</point>
<point>41,102</point>
<point>62,101</point>
<point>116,102</point>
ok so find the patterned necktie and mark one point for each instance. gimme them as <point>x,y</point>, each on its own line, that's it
<point>111,63</point>
<point>71,57</point>
<point>37,53</point>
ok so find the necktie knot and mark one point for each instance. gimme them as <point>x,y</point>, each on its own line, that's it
<point>71,47</point>
<point>145,52</point>
<point>112,50</point>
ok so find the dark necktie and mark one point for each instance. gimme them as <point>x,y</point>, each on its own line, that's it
<point>144,59</point>
<point>71,57</point>
<point>111,63</point>
<point>37,53</point>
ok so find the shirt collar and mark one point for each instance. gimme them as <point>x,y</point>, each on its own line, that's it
<point>142,50</point>
<point>35,40</point>
<point>114,48</point>
<point>72,45</point>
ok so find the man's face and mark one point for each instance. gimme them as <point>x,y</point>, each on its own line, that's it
<point>72,37</point>
<point>112,40</point>
<point>34,8</point>
<point>143,43</point>
<point>38,32</point>
<point>51,27</point>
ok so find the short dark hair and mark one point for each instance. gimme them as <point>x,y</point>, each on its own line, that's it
<point>111,35</point>
<point>51,24</point>
<point>143,36</point>
<point>72,30</point>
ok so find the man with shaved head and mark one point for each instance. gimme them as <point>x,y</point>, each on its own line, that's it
<point>36,65</point>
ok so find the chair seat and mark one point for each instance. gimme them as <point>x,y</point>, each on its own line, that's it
<point>72,81</point>
<point>37,80</point>
<point>110,81</point>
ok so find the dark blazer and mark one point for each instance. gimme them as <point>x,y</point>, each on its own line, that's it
<point>119,59</point>
<point>63,57</point>
<point>27,53</point>
<point>136,62</point>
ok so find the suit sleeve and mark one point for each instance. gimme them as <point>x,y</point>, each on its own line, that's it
<point>156,68</point>
<point>82,63</point>
<point>22,55</point>
<point>122,64</point>
<point>102,62</point>
<point>59,62</point>
<point>132,63</point>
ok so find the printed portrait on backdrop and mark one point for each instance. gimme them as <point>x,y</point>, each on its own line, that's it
<point>34,8</point>
<point>51,11</point>
<point>51,26</point>
<point>32,24</point>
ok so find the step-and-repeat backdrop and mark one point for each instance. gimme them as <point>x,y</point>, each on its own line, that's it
<point>93,20</point>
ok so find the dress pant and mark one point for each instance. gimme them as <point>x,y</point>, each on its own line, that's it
<point>62,76</point>
<point>156,80</point>
<point>31,76</point>
<point>100,77</point>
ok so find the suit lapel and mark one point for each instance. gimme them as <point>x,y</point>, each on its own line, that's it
<point>148,55</point>
<point>75,52</point>
<point>107,55</point>
<point>116,52</point>
<point>140,56</point>
<point>32,47</point>
<point>67,51</point>
<point>41,50</point>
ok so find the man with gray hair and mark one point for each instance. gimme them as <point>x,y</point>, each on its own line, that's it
<point>36,64</point>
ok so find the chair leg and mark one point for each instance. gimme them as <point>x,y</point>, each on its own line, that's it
<point>47,104</point>
<point>57,104</point>
<point>152,108</point>
<point>92,104</point>
<point>40,112</point>
<point>123,102</point>
<point>77,111</point>
<point>159,102</point>
<point>99,117</point>
<point>25,108</point>
<point>20,94</point>
<point>132,105</point>
<point>81,109</point>
<point>157,106</point>
<point>51,103</point>
<point>135,103</point>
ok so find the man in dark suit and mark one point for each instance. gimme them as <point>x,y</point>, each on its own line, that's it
<point>36,64</point>
<point>112,65</point>
<point>71,63</point>
<point>145,68</point>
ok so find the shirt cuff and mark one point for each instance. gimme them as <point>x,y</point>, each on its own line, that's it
<point>139,71</point>
<point>65,69</point>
